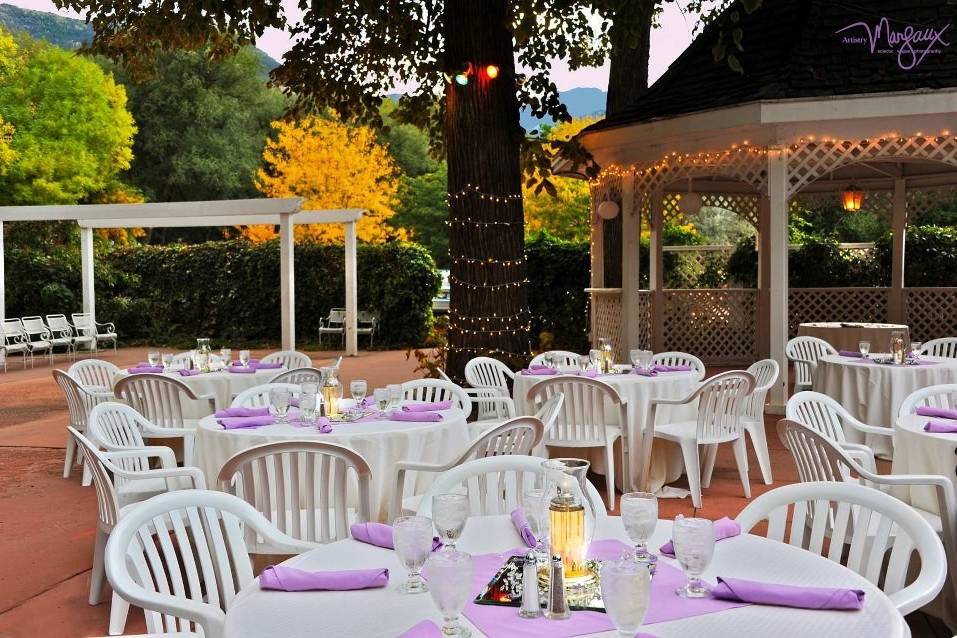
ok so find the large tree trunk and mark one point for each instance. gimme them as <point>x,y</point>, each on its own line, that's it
<point>489,304</point>
<point>630,49</point>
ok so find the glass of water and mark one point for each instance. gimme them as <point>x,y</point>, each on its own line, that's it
<point>635,356</point>
<point>244,358</point>
<point>381,396</point>
<point>625,590</point>
<point>583,362</point>
<point>395,395</point>
<point>450,580</point>
<point>535,504</point>
<point>864,347</point>
<point>153,358</point>
<point>694,547</point>
<point>594,356</point>
<point>450,512</point>
<point>308,406</point>
<point>279,399</point>
<point>226,354</point>
<point>639,513</point>
<point>412,539</point>
<point>915,347</point>
<point>645,359</point>
<point>167,362</point>
<point>359,388</point>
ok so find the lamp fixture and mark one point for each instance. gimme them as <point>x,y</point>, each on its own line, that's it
<point>852,198</point>
<point>690,203</point>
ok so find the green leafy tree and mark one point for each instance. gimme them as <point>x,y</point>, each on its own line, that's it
<point>424,211</point>
<point>408,145</point>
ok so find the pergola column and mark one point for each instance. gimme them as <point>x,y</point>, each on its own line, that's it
<point>778,270</point>
<point>895,301</point>
<point>287,281</point>
<point>764,275</point>
<point>656,271</point>
<point>630,264</point>
<point>351,294</point>
<point>86,271</point>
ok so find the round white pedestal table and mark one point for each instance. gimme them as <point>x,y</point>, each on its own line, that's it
<point>387,613</point>
<point>221,385</point>
<point>873,392</point>
<point>381,443</point>
<point>847,335</point>
<point>637,390</point>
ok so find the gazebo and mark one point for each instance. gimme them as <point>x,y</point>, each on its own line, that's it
<point>283,212</point>
<point>834,99</point>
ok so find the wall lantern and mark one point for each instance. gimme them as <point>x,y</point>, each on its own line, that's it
<point>690,203</point>
<point>852,199</point>
<point>608,210</point>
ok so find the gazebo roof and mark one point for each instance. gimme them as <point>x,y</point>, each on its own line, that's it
<point>801,49</point>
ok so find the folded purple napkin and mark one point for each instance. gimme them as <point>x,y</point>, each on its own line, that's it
<point>292,579</point>
<point>324,425</point>
<point>591,374</point>
<point>380,535</point>
<point>421,417</point>
<point>241,369</point>
<point>659,367</point>
<point>523,528</point>
<point>851,353</point>
<point>187,373</point>
<point>723,528</point>
<point>145,369</point>
<point>940,427</point>
<point>241,412</point>
<point>424,629</point>
<point>539,371</point>
<point>940,413</point>
<point>235,423</point>
<point>645,373</point>
<point>749,591</point>
<point>427,406</point>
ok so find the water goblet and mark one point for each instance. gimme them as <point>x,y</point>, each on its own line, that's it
<point>645,359</point>
<point>594,356</point>
<point>226,354</point>
<point>308,407</point>
<point>635,356</point>
<point>584,362</point>
<point>359,388</point>
<point>395,395</point>
<point>279,399</point>
<point>450,512</point>
<point>412,539</point>
<point>625,590</point>
<point>639,513</point>
<point>535,504</point>
<point>915,347</point>
<point>167,362</point>
<point>694,547</point>
<point>153,358</point>
<point>450,577</point>
<point>381,396</point>
<point>864,347</point>
<point>244,358</point>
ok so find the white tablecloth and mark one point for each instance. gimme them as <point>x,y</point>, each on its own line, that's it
<point>847,336</point>
<point>381,443</point>
<point>221,385</point>
<point>386,613</point>
<point>666,463</point>
<point>873,392</point>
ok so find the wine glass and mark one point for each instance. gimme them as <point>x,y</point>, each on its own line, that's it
<point>450,512</point>
<point>583,362</point>
<point>244,358</point>
<point>694,547</point>
<point>412,539</point>
<point>625,590</point>
<point>226,354</point>
<point>635,356</point>
<point>645,359</point>
<point>864,347</point>
<point>359,388</point>
<point>167,362</point>
<point>395,395</point>
<point>639,513</point>
<point>915,347</point>
<point>594,356</point>
<point>381,396</point>
<point>536,511</point>
<point>450,579</point>
<point>279,399</point>
<point>153,358</point>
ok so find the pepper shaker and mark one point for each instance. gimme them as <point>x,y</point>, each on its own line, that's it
<point>531,604</point>
<point>557,608</point>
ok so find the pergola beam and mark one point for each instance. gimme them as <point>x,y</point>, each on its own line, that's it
<point>778,270</point>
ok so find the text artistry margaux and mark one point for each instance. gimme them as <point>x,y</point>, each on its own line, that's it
<point>911,44</point>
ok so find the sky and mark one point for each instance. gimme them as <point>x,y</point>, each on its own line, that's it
<point>667,42</point>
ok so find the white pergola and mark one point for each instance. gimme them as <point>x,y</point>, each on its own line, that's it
<point>286,213</point>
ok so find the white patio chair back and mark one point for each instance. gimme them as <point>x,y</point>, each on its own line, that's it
<point>258,396</point>
<point>486,372</point>
<point>95,374</point>
<point>156,397</point>
<point>289,358</point>
<point>765,373</point>
<point>563,357</point>
<point>680,359</point>
<point>41,339</point>
<point>59,323</point>
<point>516,436</point>
<point>436,390</point>
<point>107,501</point>
<point>581,417</point>
<point>116,426</point>
<point>720,402</point>
<point>550,409</point>
<point>182,557</point>
<point>819,412</point>
<point>83,323</point>
<point>298,376</point>
<point>805,352</point>
<point>301,487</point>
<point>873,534</point>
<point>496,485</point>
<point>13,340</point>
<point>943,347</point>
<point>79,403</point>
<point>934,396</point>
<point>13,328</point>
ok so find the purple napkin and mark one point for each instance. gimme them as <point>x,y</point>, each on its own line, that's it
<point>145,369</point>
<point>940,413</point>
<point>292,579</point>
<point>749,591</point>
<point>723,528</point>
<point>241,369</point>
<point>591,374</point>
<point>645,373</point>
<point>420,417</point>
<point>188,373</point>
<point>663,368</point>
<point>380,535</point>
<point>324,425</point>
<point>535,370</point>
<point>424,629</point>
<point>241,412</point>
<point>940,427</point>
<point>851,353</point>
<point>523,528</point>
<point>235,423</point>
<point>427,406</point>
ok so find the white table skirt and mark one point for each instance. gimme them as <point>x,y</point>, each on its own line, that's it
<point>221,385</point>
<point>873,393</point>
<point>666,462</point>
<point>381,443</point>
<point>386,613</point>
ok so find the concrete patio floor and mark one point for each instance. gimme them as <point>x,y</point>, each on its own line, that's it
<point>47,522</point>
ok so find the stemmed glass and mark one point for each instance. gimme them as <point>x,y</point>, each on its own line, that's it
<point>359,388</point>
<point>450,577</point>
<point>639,513</point>
<point>244,358</point>
<point>635,356</point>
<point>594,356</point>
<point>915,347</point>
<point>645,359</point>
<point>226,354</point>
<point>583,362</point>
<point>153,358</point>
<point>536,510</point>
<point>864,347</point>
<point>167,362</point>
<point>450,512</point>
<point>381,396</point>
<point>279,399</point>
<point>395,395</point>
<point>625,590</point>
<point>412,539</point>
<point>694,547</point>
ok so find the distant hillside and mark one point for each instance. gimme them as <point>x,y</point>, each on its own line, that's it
<point>579,101</point>
<point>67,33</point>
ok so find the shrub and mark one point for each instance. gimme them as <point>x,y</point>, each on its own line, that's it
<point>559,273</point>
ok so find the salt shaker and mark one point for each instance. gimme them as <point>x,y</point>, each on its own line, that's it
<point>557,608</point>
<point>531,604</point>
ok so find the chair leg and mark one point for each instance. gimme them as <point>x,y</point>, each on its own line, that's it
<point>188,451</point>
<point>711,455</point>
<point>759,441</point>
<point>610,473</point>
<point>689,452</point>
<point>119,609</point>
<point>741,459</point>
<point>87,478</point>
<point>98,574</point>
<point>70,456</point>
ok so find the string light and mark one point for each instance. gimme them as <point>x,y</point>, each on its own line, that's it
<point>482,224</point>
<point>491,71</point>
<point>488,261</point>
<point>472,286</point>
<point>495,197</point>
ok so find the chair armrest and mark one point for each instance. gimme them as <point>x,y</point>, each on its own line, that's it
<point>109,325</point>
<point>166,456</point>
<point>653,403</point>
<point>869,429</point>
<point>505,401</point>
<point>483,393</point>
<point>398,490</point>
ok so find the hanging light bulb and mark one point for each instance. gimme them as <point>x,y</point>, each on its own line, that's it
<point>462,77</point>
<point>852,199</point>
<point>491,71</point>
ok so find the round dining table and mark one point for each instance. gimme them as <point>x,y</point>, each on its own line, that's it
<point>873,392</point>
<point>638,391</point>
<point>920,452</point>
<point>387,613</point>
<point>381,442</point>
<point>847,335</point>
<point>221,385</point>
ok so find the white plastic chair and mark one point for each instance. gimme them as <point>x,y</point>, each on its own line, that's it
<point>943,347</point>
<point>258,396</point>
<point>289,358</point>
<point>437,390</point>
<point>60,336</point>
<point>301,487</point>
<point>564,358</point>
<point>298,376</point>
<point>680,359</point>
<point>720,401</point>
<point>13,340</point>
<point>805,352</point>
<point>765,373</point>
<point>79,403</point>
<point>516,436</point>
<point>825,415</point>
<point>84,324</point>
<point>116,427</point>
<point>582,421</point>
<point>873,534</point>
<point>62,328</point>
<point>41,339</point>
<point>182,557</point>
<point>486,372</point>
<point>496,485</point>
<point>96,376</point>
<point>934,396</point>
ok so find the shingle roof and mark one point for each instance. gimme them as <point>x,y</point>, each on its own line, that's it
<point>792,49</point>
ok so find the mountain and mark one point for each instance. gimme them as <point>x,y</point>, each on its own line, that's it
<point>580,102</point>
<point>67,33</point>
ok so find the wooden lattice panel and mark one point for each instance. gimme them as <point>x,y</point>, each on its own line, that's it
<point>922,200</point>
<point>930,312</point>
<point>745,206</point>
<point>835,304</point>
<point>716,325</point>
<point>606,320</point>
<point>748,167</point>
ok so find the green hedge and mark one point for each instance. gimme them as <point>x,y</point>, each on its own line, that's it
<point>558,273</point>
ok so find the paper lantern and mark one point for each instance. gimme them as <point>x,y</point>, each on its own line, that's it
<point>690,203</point>
<point>852,199</point>
<point>608,210</point>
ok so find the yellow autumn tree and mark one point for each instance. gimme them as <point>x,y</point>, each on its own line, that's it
<point>330,164</point>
